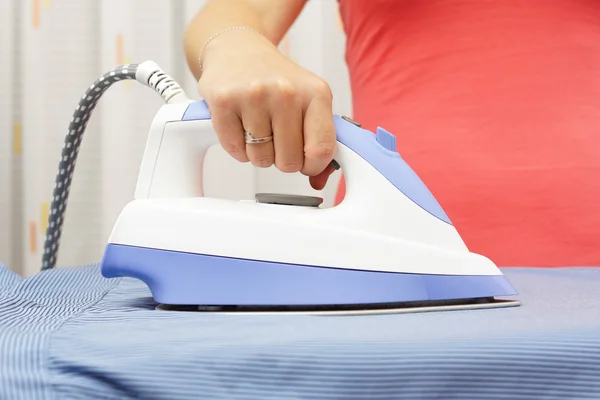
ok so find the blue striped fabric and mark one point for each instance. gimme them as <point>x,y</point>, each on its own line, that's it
<point>70,334</point>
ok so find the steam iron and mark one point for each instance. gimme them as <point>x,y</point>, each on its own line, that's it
<point>388,247</point>
<point>388,243</point>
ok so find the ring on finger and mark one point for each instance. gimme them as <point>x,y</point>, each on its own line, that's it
<point>250,139</point>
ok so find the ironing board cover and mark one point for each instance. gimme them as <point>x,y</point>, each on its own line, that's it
<point>70,334</point>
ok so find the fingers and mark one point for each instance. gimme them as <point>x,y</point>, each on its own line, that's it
<point>299,118</point>
<point>274,109</point>
<point>319,132</point>
<point>230,132</point>
<point>257,121</point>
<point>228,126</point>
<point>287,129</point>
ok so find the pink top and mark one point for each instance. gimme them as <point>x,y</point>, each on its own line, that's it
<point>496,105</point>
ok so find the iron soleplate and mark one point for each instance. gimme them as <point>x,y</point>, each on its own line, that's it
<point>348,310</point>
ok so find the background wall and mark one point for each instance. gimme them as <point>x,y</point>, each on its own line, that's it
<point>52,50</point>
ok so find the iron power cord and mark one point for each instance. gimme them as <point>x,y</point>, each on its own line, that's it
<point>147,73</point>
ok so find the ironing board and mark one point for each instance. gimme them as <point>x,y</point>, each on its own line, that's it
<point>70,334</point>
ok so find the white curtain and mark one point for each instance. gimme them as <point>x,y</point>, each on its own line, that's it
<point>52,50</point>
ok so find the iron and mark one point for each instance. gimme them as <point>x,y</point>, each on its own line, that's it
<point>388,247</point>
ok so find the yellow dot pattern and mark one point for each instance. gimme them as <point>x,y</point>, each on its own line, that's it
<point>120,56</point>
<point>35,14</point>
<point>127,82</point>
<point>119,49</point>
<point>44,216</point>
<point>17,139</point>
<point>32,237</point>
<point>36,11</point>
<point>340,21</point>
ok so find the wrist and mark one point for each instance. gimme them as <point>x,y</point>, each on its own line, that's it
<point>234,38</point>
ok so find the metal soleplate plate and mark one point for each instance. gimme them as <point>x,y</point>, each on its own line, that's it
<point>370,309</point>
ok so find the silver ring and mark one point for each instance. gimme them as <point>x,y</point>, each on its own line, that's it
<point>250,139</point>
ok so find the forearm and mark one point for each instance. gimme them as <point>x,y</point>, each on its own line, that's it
<point>270,17</point>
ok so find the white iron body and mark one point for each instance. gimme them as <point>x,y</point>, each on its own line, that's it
<point>376,227</point>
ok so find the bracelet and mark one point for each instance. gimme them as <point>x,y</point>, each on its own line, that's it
<point>210,39</point>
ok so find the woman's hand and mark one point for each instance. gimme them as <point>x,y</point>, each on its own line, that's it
<point>250,86</point>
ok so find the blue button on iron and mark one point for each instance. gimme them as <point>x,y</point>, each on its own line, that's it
<point>386,139</point>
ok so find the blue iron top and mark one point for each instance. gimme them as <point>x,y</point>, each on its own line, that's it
<point>377,149</point>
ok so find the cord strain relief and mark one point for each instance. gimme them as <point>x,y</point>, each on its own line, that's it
<point>151,75</point>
